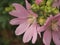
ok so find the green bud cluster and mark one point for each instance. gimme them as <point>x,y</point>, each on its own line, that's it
<point>41,20</point>
<point>35,7</point>
<point>49,2</point>
<point>44,9</point>
<point>8,9</point>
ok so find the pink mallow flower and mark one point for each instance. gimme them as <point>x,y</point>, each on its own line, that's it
<point>38,1</point>
<point>56,3</point>
<point>26,19</point>
<point>52,30</point>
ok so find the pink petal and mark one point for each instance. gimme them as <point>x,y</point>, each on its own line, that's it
<point>32,13</point>
<point>59,2</point>
<point>17,21</point>
<point>55,3</point>
<point>21,28</point>
<point>48,21</point>
<point>59,33</point>
<point>46,24</point>
<point>38,1</point>
<point>39,30</point>
<point>28,6</point>
<point>56,38</point>
<point>57,17</point>
<point>34,35</point>
<point>47,37</point>
<point>20,11</point>
<point>42,28</point>
<point>58,22</point>
<point>28,34</point>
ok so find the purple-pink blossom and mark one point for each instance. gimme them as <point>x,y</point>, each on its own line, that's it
<point>26,19</point>
<point>51,30</point>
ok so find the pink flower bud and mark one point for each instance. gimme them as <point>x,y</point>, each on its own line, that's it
<point>38,1</point>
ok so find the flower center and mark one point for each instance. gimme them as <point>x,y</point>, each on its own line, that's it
<point>31,19</point>
<point>54,26</point>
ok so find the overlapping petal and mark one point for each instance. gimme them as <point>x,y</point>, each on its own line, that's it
<point>21,28</point>
<point>17,21</point>
<point>47,37</point>
<point>56,38</point>
<point>34,38</point>
<point>28,34</point>
<point>20,11</point>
